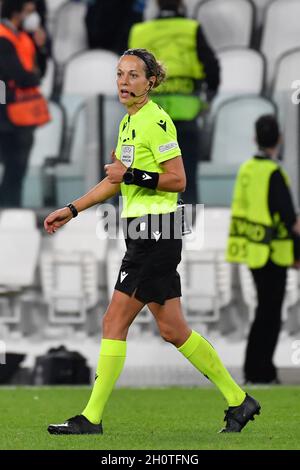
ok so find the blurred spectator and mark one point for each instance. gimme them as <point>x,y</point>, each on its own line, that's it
<point>180,44</point>
<point>264,229</point>
<point>20,37</point>
<point>108,22</point>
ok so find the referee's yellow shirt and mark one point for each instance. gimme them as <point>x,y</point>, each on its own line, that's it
<point>147,139</point>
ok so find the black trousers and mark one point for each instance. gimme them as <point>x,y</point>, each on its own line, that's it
<point>15,147</point>
<point>188,139</point>
<point>270,282</point>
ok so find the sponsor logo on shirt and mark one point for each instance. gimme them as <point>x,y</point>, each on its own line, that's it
<point>169,146</point>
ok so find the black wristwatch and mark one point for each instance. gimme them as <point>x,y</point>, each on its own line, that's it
<point>73,209</point>
<point>128,177</point>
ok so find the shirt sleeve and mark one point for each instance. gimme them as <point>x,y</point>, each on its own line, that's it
<point>280,199</point>
<point>163,143</point>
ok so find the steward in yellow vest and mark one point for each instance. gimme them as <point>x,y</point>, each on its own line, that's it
<point>179,43</point>
<point>264,228</point>
<point>257,234</point>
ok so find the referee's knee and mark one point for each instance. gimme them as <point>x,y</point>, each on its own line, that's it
<point>170,335</point>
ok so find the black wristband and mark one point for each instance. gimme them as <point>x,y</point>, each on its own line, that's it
<point>144,179</point>
<point>73,210</point>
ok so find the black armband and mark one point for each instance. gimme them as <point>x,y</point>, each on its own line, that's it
<point>144,179</point>
<point>73,210</point>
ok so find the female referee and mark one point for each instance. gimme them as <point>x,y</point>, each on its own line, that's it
<point>149,171</point>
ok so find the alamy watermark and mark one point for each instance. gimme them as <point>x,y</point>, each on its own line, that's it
<point>158,224</point>
<point>2,92</point>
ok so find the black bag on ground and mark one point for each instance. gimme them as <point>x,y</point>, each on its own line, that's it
<point>61,367</point>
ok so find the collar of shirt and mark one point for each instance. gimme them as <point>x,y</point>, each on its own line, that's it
<point>260,155</point>
<point>170,14</point>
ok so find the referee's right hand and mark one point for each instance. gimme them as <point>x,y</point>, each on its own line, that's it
<point>56,219</point>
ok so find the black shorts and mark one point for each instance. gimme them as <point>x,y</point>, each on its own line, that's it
<point>149,268</point>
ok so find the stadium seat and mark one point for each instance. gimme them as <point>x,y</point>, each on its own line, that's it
<point>242,72</point>
<point>91,73</point>
<point>69,32</point>
<point>113,112</point>
<point>287,71</point>
<point>19,251</point>
<point>48,141</point>
<point>17,219</point>
<point>47,83</point>
<point>84,234</point>
<point>88,74</point>
<point>221,22</point>
<point>281,32</point>
<point>260,10</point>
<point>203,259</point>
<point>52,8</point>
<point>69,285</point>
<point>91,136</point>
<point>249,292</point>
<point>70,176</point>
<point>232,144</point>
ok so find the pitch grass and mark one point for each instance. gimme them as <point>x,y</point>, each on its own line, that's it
<point>168,419</point>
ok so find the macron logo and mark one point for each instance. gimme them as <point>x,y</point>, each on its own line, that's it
<point>157,235</point>
<point>146,177</point>
<point>123,275</point>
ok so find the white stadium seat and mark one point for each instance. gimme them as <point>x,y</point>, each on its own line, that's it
<point>69,35</point>
<point>242,72</point>
<point>70,176</point>
<point>70,285</point>
<point>281,32</point>
<point>91,73</point>
<point>260,10</point>
<point>287,70</point>
<point>88,74</point>
<point>47,143</point>
<point>17,219</point>
<point>19,251</point>
<point>226,23</point>
<point>47,82</point>
<point>232,144</point>
<point>206,276</point>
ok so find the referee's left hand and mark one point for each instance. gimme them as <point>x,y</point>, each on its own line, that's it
<point>115,171</point>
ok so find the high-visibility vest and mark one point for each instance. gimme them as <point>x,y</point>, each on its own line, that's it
<point>255,235</point>
<point>28,106</point>
<point>173,41</point>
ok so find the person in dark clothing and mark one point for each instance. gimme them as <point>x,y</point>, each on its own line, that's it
<point>20,72</point>
<point>108,22</point>
<point>193,77</point>
<point>262,202</point>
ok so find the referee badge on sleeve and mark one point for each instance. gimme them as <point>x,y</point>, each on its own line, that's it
<point>127,155</point>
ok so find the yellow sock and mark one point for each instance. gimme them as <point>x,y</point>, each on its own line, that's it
<point>204,357</point>
<point>110,365</point>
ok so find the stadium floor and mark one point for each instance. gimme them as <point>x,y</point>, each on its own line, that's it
<point>170,418</point>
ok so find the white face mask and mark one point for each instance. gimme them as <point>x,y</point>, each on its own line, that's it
<point>32,22</point>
